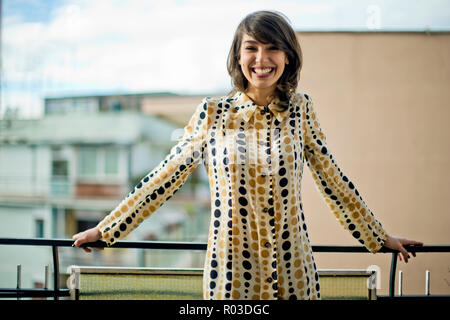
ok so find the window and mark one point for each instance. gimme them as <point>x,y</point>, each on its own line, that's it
<point>111,161</point>
<point>101,162</point>
<point>71,105</point>
<point>88,161</point>
<point>60,185</point>
<point>39,228</point>
<point>116,106</point>
<point>60,168</point>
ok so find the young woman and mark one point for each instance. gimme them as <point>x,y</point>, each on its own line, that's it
<point>254,142</point>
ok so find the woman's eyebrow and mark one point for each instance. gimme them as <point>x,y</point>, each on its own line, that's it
<point>257,42</point>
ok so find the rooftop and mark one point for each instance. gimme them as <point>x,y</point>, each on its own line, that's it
<point>86,128</point>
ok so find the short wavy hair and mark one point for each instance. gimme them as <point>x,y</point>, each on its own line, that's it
<point>268,27</point>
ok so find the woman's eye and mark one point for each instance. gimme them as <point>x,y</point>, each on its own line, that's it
<point>249,48</point>
<point>274,48</point>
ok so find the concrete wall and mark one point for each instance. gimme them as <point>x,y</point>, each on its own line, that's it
<point>382,100</point>
<point>19,222</point>
<point>24,170</point>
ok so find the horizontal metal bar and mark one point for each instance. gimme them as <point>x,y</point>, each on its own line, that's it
<point>32,293</point>
<point>414,296</point>
<point>136,270</point>
<point>356,249</point>
<point>155,245</point>
<point>36,242</point>
<point>201,245</point>
<point>101,244</point>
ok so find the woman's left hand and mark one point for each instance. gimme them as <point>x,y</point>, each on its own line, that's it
<point>396,243</point>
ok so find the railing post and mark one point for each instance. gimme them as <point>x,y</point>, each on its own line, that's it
<point>400,282</point>
<point>392,275</point>
<point>55,271</point>
<point>46,277</point>
<point>19,279</point>
<point>427,282</point>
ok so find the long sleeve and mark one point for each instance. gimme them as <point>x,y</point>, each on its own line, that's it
<point>161,183</point>
<point>337,189</point>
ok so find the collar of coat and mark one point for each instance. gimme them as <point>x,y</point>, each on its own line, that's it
<point>246,107</point>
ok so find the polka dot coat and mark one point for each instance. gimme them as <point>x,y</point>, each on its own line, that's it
<point>258,246</point>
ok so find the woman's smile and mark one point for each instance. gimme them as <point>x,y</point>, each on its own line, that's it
<point>263,65</point>
<point>263,72</point>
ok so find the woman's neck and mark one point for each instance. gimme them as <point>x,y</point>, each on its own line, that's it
<point>261,97</point>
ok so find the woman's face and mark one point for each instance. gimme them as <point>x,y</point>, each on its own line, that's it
<point>262,64</point>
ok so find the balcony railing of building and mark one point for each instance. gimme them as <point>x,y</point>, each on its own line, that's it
<point>58,292</point>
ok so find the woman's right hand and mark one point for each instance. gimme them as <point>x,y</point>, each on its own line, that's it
<point>90,235</point>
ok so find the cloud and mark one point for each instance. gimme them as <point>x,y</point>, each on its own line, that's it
<point>135,47</point>
<point>85,46</point>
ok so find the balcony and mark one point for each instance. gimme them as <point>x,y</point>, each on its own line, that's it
<point>109,283</point>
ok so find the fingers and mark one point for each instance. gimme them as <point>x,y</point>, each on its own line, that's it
<point>81,238</point>
<point>77,243</point>
<point>398,244</point>
<point>87,236</point>
<point>411,243</point>
<point>76,236</point>
<point>405,254</point>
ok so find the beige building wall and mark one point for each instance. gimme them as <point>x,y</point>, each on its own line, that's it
<point>178,109</point>
<point>383,102</point>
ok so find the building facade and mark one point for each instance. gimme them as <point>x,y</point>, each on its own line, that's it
<point>63,173</point>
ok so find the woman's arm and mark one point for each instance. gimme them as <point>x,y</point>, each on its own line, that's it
<point>156,187</point>
<point>340,192</point>
<point>337,189</point>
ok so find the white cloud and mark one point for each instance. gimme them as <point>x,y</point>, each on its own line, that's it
<point>142,47</point>
<point>137,45</point>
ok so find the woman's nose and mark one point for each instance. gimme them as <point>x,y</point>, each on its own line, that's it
<point>260,55</point>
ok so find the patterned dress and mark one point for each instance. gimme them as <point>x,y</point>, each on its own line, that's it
<point>258,246</point>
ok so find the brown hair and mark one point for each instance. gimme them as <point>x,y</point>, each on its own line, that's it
<point>268,27</point>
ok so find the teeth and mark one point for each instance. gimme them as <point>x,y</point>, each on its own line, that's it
<point>262,71</point>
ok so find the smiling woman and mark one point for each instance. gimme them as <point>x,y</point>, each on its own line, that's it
<point>254,143</point>
<point>262,65</point>
<point>265,56</point>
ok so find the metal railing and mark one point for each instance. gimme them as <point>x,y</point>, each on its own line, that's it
<point>57,292</point>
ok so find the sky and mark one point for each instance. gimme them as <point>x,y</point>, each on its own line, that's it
<point>53,48</point>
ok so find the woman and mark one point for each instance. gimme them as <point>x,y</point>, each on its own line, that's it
<point>254,142</point>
